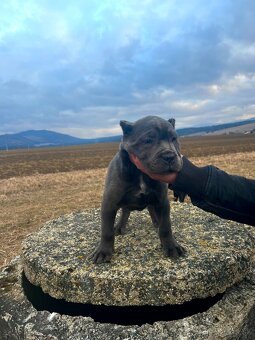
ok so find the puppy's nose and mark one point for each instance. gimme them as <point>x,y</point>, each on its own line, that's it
<point>168,156</point>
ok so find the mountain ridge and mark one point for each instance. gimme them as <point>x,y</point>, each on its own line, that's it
<point>47,138</point>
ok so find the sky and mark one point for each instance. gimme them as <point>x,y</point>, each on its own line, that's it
<point>81,66</point>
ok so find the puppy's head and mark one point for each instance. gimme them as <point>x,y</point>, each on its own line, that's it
<point>154,141</point>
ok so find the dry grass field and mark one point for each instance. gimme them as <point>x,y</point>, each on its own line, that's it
<point>96,156</point>
<point>38,185</point>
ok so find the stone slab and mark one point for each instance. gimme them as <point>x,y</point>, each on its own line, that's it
<point>218,255</point>
<point>232,318</point>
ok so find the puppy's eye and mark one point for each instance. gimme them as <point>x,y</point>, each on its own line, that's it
<point>148,140</point>
<point>174,139</point>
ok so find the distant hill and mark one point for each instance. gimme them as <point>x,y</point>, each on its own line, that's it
<point>45,138</point>
<point>36,138</point>
<point>213,128</point>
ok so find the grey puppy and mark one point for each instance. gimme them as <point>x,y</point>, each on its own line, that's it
<point>154,141</point>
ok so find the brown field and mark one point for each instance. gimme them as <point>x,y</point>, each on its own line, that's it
<point>96,156</point>
<point>38,185</point>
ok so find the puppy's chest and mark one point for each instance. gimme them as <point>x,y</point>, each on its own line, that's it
<point>139,195</point>
<point>142,187</point>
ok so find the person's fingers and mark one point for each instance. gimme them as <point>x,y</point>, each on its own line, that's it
<point>137,162</point>
<point>167,178</point>
<point>133,158</point>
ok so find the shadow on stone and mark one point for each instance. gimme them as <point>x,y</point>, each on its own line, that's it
<point>129,315</point>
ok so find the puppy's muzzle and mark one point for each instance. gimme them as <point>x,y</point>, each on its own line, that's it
<point>168,157</point>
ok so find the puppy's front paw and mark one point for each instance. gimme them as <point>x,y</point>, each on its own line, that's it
<point>174,250</point>
<point>101,255</point>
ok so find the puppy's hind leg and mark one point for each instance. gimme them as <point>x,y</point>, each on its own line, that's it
<point>120,227</point>
<point>153,215</point>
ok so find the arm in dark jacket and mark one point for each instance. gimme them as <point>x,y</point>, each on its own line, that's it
<point>211,189</point>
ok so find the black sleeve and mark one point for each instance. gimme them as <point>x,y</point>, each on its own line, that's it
<point>211,189</point>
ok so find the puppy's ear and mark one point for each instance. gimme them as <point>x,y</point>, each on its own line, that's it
<point>126,126</point>
<point>172,121</point>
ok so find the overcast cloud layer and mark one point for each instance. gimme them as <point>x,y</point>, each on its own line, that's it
<point>78,67</point>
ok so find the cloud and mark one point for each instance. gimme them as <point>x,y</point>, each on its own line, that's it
<point>83,66</point>
<point>189,105</point>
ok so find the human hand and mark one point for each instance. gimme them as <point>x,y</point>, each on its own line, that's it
<point>166,178</point>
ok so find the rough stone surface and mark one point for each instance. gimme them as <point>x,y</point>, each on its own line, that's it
<point>232,318</point>
<point>218,255</point>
